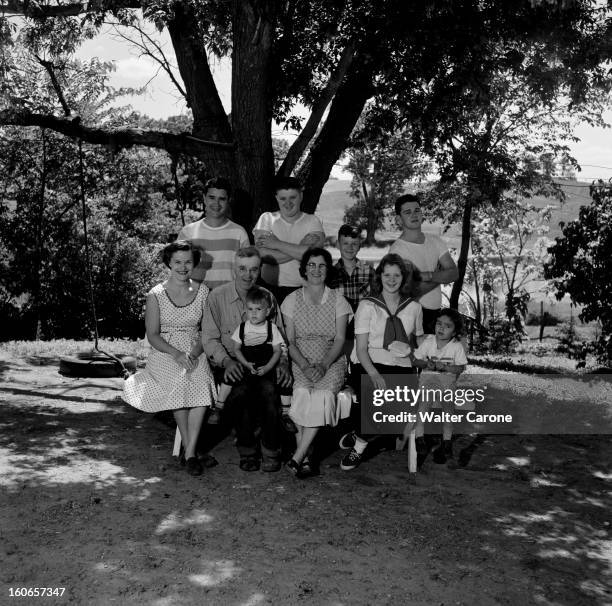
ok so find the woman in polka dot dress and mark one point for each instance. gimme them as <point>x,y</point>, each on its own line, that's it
<point>177,376</point>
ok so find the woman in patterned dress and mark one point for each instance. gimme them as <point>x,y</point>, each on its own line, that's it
<point>177,376</point>
<point>315,320</point>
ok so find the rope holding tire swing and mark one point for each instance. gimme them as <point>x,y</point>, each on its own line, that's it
<point>92,303</point>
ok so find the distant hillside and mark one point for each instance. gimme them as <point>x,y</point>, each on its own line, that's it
<point>336,199</point>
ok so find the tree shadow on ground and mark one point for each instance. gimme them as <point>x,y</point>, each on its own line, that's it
<point>7,367</point>
<point>94,502</point>
<point>42,360</point>
<point>41,394</point>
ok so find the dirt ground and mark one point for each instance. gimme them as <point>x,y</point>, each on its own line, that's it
<point>93,502</point>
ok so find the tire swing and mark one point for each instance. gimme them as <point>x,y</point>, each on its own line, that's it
<point>95,363</point>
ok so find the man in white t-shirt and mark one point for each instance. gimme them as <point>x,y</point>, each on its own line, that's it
<point>283,237</point>
<point>215,235</point>
<point>428,253</point>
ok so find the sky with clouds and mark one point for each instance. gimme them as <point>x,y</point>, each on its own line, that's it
<point>161,99</point>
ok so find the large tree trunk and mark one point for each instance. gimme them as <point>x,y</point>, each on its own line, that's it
<point>466,230</point>
<point>209,117</point>
<point>253,28</point>
<point>344,112</point>
<point>210,122</point>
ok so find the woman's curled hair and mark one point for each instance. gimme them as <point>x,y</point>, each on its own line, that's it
<point>180,245</point>
<point>406,268</point>
<point>317,252</point>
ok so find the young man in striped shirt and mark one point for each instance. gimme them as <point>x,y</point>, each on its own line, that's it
<point>215,235</point>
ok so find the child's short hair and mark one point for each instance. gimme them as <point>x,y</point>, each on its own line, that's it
<point>455,318</point>
<point>256,294</point>
<point>349,231</point>
<point>287,183</point>
<point>406,198</point>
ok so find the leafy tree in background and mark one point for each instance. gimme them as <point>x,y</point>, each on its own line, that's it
<point>380,163</point>
<point>481,118</point>
<point>581,265</point>
<point>43,271</point>
<point>509,247</point>
<point>42,265</point>
<point>483,158</point>
<point>281,149</point>
<point>431,60</point>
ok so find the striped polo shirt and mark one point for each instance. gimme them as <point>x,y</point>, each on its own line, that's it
<point>218,245</point>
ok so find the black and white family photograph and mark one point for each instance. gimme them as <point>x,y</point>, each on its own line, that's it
<point>306,302</point>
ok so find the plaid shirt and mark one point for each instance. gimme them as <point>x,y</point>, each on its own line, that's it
<point>356,286</point>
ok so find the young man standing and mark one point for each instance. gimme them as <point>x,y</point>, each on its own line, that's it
<point>428,253</point>
<point>283,237</point>
<point>217,237</point>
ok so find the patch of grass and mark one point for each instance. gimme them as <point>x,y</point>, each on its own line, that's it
<point>57,348</point>
<point>540,357</point>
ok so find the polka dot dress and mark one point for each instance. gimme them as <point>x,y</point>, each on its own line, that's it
<point>163,384</point>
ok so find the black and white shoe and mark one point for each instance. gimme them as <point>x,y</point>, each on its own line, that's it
<point>347,440</point>
<point>351,460</point>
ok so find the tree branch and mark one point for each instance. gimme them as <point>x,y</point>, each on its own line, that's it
<point>161,60</point>
<point>35,10</point>
<point>345,109</point>
<point>310,128</point>
<point>115,138</point>
<point>48,65</point>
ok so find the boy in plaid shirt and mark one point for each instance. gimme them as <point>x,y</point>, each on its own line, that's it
<point>353,276</point>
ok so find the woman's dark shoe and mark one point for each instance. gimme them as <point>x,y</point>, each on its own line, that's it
<point>298,470</point>
<point>194,467</point>
<point>309,468</point>
<point>208,460</point>
<point>293,467</point>
<point>249,464</point>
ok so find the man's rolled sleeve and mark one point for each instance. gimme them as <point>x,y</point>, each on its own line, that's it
<point>211,334</point>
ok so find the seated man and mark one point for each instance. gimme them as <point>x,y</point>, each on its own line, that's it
<point>254,403</point>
